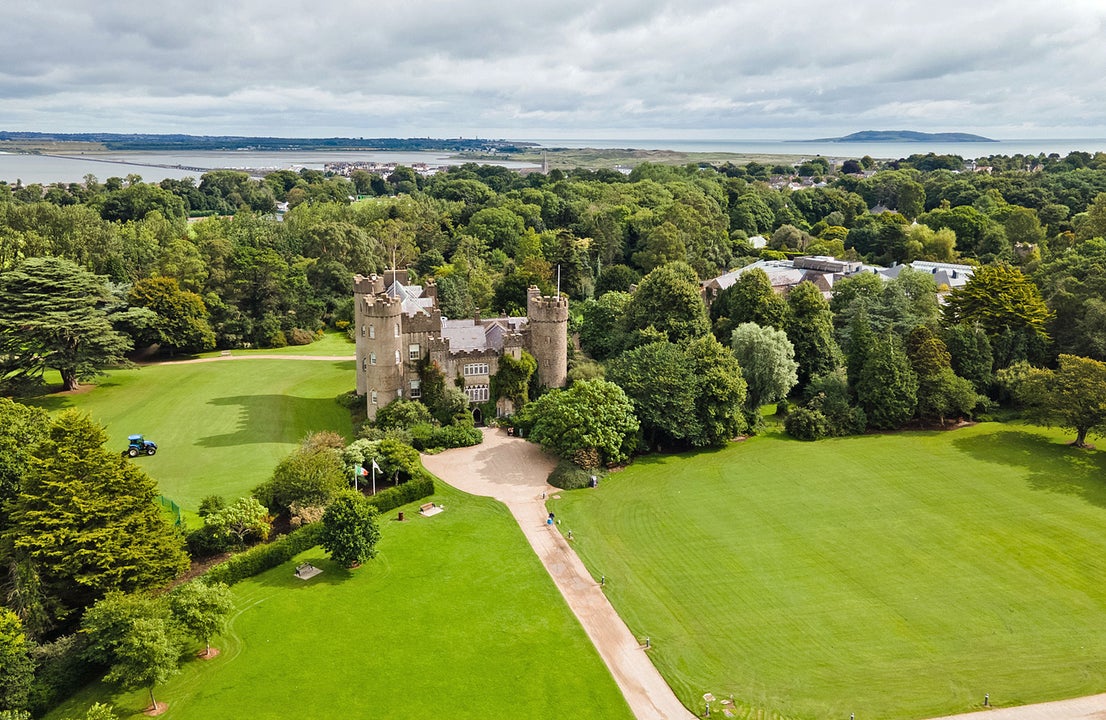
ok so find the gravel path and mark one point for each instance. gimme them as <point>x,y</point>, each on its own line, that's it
<point>513,471</point>
<point>1091,707</point>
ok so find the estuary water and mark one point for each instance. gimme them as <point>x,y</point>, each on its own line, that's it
<point>156,166</point>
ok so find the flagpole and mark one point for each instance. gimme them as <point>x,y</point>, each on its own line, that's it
<point>374,477</point>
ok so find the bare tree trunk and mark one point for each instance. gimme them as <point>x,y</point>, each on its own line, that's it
<point>1081,437</point>
<point>153,702</point>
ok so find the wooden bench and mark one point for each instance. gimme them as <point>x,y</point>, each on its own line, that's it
<point>306,571</point>
<point>426,506</point>
<point>428,509</point>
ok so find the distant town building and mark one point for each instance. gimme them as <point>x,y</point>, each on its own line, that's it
<point>398,324</point>
<point>783,275</point>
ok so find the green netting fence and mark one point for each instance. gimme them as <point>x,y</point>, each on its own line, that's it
<point>172,508</point>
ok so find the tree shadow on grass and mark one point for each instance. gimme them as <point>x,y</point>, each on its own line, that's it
<point>1052,466</point>
<point>266,411</point>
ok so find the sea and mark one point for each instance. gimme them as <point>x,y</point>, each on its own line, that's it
<point>155,166</point>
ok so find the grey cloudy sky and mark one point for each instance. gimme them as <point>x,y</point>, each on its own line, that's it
<point>741,69</point>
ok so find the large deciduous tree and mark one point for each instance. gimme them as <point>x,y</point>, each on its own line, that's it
<point>52,316</point>
<point>591,419</point>
<point>1073,396</point>
<point>720,391</point>
<point>181,322</point>
<point>657,379</point>
<point>350,531</point>
<point>87,519</point>
<point>750,299</point>
<point>309,476</point>
<point>767,360</point>
<point>669,300</point>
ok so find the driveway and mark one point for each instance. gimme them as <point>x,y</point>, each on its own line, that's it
<point>513,471</point>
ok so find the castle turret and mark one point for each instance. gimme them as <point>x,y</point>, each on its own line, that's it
<point>548,330</point>
<point>380,352</point>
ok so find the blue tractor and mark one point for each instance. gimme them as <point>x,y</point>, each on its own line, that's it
<point>139,446</point>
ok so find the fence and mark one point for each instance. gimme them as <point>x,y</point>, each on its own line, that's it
<point>173,508</point>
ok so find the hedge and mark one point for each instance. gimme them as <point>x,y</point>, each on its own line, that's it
<point>264,557</point>
<point>260,558</point>
<point>410,491</point>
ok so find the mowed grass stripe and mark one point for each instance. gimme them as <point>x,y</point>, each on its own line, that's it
<point>455,618</point>
<point>221,427</point>
<point>896,576</point>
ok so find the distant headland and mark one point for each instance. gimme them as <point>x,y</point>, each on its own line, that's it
<point>905,136</point>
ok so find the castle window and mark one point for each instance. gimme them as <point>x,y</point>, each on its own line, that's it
<point>364,363</point>
<point>477,393</point>
<point>397,329</point>
<point>476,369</point>
<point>372,358</point>
<point>372,397</point>
<point>416,389</point>
<point>414,352</point>
<point>398,361</point>
<point>372,331</point>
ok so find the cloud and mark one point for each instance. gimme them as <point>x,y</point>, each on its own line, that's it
<point>574,67</point>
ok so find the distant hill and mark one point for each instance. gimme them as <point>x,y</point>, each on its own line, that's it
<point>906,136</point>
<point>123,141</point>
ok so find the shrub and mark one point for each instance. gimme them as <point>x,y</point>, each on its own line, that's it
<point>350,400</point>
<point>60,670</point>
<point>570,476</point>
<point>410,491</point>
<point>806,424</point>
<point>427,437</point>
<point>211,504</point>
<point>402,414</point>
<point>306,476</point>
<point>299,336</point>
<point>260,558</point>
<point>207,541</point>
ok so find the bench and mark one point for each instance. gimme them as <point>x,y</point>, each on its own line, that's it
<point>428,509</point>
<point>306,571</point>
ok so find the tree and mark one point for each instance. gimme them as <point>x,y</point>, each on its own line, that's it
<point>941,392</point>
<point>402,414</point>
<point>52,316</point>
<point>88,519</point>
<point>750,299</point>
<point>149,654</point>
<point>592,416</point>
<point>16,668</point>
<point>306,476</point>
<point>1073,396</point>
<point>657,379</point>
<point>350,532</point>
<point>810,330</point>
<point>668,299</point>
<point>767,361</point>
<point>181,322</point>
<point>719,393</point>
<point>1008,307</point>
<point>21,427</point>
<point>245,517</point>
<point>202,609</point>
<point>601,330</point>
<point>619,278</point>
<point>888,387</point>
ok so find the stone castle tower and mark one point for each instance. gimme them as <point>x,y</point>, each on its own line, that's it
<point>548,329</point>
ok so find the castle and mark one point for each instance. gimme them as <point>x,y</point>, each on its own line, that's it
<point>397,324</point>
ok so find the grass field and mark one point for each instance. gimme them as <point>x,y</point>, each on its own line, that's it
<point>221,427</point>
<point>894,576</point>
<point>455,618</point>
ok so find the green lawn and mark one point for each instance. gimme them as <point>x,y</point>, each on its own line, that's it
<point>894,576</point>
<point>455,618</point>
<point>221,427</point>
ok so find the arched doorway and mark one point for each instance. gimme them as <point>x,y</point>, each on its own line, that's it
<point>477,417</point>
